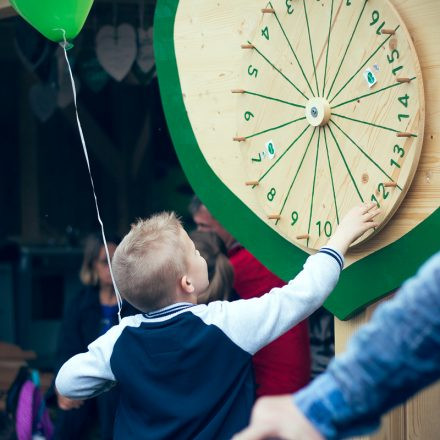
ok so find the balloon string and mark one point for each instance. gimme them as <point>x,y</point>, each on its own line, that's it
<point>118,295</point>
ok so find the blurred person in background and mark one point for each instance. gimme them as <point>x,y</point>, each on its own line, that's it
<point>220,270</point>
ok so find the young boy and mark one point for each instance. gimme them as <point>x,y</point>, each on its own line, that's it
<point>185,370</point>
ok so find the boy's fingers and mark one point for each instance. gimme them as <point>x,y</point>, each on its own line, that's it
<point>368,206</point>
<point>370,225</point>
<point>371,214</point>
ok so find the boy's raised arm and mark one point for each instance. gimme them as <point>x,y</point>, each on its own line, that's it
<point>254,323</point>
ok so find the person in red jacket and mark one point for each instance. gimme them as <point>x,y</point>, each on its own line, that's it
<point>284,365</point>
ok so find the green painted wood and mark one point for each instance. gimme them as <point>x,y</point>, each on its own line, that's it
<point>361,284</point>
<point>380,273</point>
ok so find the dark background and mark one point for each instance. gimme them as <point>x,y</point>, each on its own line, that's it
<point>46,200</point>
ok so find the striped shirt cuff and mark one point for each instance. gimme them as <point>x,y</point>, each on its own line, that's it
<point>335,254</point>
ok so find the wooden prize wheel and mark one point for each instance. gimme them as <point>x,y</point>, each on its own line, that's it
<point>285,114</point>
<point>318,136</point>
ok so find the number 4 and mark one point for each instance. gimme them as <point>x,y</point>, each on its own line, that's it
<point>404,100</point>
<point>265,33</point>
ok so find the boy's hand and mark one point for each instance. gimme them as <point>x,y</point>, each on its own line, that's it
<point>355,223</point>
<point>67,404</point>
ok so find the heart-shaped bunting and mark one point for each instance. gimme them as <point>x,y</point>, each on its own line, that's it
<point>116,49</point>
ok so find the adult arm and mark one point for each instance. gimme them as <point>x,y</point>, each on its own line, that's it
<point>387,361</point>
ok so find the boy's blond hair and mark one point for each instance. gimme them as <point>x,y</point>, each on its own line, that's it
<point>150,261</point>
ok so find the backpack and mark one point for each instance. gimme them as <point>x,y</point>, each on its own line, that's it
<point>27,405</point>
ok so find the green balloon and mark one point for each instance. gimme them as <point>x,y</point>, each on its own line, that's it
<point>55,19</point>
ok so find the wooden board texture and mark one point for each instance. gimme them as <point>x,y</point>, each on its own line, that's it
<point>199,57</point>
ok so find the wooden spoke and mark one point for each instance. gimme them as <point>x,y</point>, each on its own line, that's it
<point>331,176</point>
<point>297,171</point>
<point>277,127</point>
<point>371,124</point>
<point>311,46</point>
<point>287,150</point>
<point>328,46</point>
<point>303,237</point>
<point>358,98</point>
<point>360,68</point>
<point>346,164</point>
<point>314,182</point>
<point>281,73</point>
<point>270,98</point>
<point>362,151</point>
<point>346,50</point>
<point>293,52</point>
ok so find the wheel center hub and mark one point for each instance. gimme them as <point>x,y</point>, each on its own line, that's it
<point>318,112</point>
